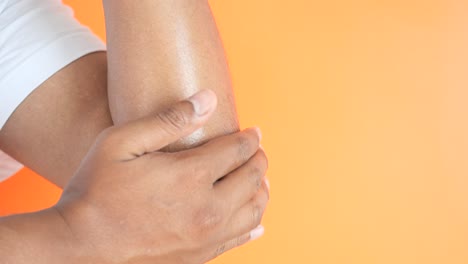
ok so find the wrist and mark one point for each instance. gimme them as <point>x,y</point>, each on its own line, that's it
<point>90,231</point>
<point>93,234</point>
<point>40,237</point>
<point>78,221</point>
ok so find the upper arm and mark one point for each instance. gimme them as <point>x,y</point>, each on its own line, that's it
<point>52,129</point>
<point>53,94</point>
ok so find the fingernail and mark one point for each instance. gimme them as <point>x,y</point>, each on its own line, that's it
<point>267,182</point>
<point>202,101</point>
<point>257,232</point>
<point>259,132</point>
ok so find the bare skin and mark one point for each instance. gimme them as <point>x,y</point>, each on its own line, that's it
<point>185,207</point>
<point>54,127</point>
<point>180,55</point>
<point>157,58</point>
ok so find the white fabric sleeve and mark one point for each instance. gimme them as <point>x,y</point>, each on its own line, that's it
<point>8,166</point>
<point>37,39</point>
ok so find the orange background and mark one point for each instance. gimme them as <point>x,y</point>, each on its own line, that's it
<point>363,106</point>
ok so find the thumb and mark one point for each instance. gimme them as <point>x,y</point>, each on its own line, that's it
<point>154,132</point>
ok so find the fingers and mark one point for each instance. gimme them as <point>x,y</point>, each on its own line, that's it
<point>248,216</point>
<point>239,186</point>
<point>222,155</point>
<point>239,241</point>
<point>233,243</point>
<point>156,131</point>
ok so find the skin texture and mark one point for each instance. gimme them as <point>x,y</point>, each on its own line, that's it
<point>180,54</point>
<point>160,52</point>
<point>51,131</point>
<point>174,213</point>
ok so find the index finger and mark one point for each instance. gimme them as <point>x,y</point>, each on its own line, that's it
<point>223,155</point>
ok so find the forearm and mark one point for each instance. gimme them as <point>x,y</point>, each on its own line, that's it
<point>162,51</point>
<point>40,237</point>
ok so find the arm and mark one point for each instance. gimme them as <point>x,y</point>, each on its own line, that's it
<point>164,216</point>
<point>40,237</point>
<point>159,67</point>
<point>53,128</point>
<point>160,52</point>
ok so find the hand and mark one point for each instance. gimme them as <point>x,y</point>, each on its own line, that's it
<point>130,203</point>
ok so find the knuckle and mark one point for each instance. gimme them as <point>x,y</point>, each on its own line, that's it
<point>174,119</point>
<point>204,221</point>
<point>264,197</point>
<point>257,170</point>
<point>202,175</point>
<point>256,215</point>
<point>264,158</point>
<point>258,208</point>
<point>256,175</point>
<point>193,168</point>
<point>243,147</point>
